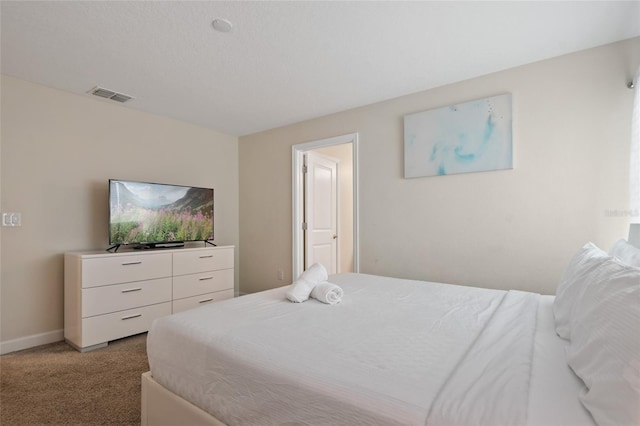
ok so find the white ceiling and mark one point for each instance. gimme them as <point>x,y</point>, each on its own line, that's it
<point>285,62</point>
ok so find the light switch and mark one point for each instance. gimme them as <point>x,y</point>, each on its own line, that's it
<point>11,219</point>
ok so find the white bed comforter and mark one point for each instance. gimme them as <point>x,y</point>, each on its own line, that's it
<point>392,352</point>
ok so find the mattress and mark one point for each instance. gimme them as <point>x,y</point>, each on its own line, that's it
<point>392,352</point>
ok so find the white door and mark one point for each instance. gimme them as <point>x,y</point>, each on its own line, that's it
<point>321,211</point>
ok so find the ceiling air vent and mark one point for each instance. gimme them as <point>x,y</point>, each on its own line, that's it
<point>110,94</point>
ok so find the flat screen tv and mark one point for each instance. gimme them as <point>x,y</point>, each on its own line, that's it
<point>158,215</point>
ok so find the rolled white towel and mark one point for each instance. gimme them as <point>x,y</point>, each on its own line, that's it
<point>327,292</point>
<point>301,288</point>
<point>316,273</point>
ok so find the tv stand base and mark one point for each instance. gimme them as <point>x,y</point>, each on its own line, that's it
<point>173,245</point>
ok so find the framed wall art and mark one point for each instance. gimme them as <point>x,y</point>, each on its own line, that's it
<point>474,136</point>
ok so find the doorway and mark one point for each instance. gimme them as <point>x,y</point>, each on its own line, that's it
<point>344,149</point>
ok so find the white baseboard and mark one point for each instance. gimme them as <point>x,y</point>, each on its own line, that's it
<point>31,341</point>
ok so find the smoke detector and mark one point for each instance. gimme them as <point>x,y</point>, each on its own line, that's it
<point>110,94</point>
<point>222,25</point>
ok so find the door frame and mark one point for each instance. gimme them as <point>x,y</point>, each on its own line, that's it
<point>297,161</point>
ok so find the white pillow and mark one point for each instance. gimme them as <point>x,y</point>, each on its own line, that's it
<point>605,345</point>
<point>627,253</point>
<point>582,265</point>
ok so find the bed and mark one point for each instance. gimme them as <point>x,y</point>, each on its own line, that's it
<point>392,352</point>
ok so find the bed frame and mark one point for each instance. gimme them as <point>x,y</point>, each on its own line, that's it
<point>162,407</point>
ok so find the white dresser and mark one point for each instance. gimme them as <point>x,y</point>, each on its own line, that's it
<point>108,296</point>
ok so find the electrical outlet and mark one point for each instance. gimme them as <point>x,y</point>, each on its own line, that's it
<point>11,219</point>
<point>280,275</point>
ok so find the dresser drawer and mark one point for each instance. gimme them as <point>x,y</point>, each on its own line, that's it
<point>122,269</point>
<point>112,298</point>
<point>103,328</point>
<point>203,299</point>
<point>190,262</point>
<point>206,282</point>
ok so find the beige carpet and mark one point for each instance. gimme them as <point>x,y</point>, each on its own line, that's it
<point>56,385</point>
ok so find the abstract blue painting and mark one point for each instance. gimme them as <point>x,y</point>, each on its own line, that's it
<point>474,136</point>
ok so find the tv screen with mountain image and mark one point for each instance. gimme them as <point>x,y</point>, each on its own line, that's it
<point>151,213</point>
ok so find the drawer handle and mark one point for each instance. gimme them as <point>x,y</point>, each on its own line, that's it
<point>206,300</point>
<point>129,290</point>
<point>205,278</point>
<point>131,316</point>
<point>204,257</point>
<point>131,263</point>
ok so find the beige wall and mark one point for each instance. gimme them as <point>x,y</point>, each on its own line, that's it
<point>58,151</point>
<point>506,229</point>
<point>344,153</point>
